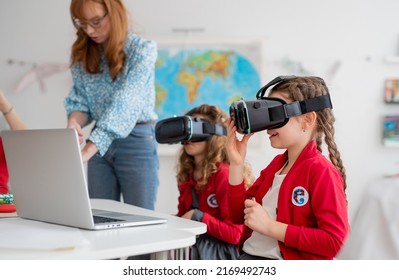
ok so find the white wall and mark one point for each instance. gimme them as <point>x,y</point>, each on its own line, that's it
<point>354,34</point>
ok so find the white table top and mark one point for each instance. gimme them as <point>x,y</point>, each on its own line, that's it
<point>173,221</point>
<point>114,243</point>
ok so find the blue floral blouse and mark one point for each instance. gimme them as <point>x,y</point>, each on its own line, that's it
<point>116,106</point>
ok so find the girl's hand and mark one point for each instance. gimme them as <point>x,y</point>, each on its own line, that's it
<point>236,149</point>
<point>256,217</point>
<point>188,215</point>
<point>4,104</point>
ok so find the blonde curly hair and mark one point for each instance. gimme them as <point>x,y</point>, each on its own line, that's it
<point>215,151</point>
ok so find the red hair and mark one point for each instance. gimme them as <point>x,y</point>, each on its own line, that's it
<point>87,52</point>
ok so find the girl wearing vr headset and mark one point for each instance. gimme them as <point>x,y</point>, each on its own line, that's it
<point>297,208</point>
<point>202,176</point>
<point>113,73</point>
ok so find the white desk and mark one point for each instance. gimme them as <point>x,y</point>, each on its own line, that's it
<point>159,240</point>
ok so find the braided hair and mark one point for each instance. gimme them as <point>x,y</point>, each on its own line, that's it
<point>300,88</point>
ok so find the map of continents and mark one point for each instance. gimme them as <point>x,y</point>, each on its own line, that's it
<point>187,78</point>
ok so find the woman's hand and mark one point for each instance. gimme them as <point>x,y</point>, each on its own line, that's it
<point>72,123</point>
<point>89,150</point>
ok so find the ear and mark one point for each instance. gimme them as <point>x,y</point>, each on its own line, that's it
<point>309,120</point>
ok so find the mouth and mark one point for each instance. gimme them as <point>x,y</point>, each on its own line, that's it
<point>271,133</point>
<point>95,39</point>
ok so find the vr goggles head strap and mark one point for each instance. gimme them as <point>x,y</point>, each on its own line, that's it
<point>207,126</point>
<point>272,112</point>
<point>214,129</point>
<point>202,129</point>
<point>261,92</point>
<point>297,108</point>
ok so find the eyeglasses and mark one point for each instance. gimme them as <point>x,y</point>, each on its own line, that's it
<point>96,23</point>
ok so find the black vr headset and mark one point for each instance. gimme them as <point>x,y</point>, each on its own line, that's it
<point>186,128</point>
<point>269,112</point>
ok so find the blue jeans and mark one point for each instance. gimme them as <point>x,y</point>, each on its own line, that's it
<point>129,169</point>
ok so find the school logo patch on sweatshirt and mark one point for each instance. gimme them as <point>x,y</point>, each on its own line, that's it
<point>212,201</point>
<point>300,196</point>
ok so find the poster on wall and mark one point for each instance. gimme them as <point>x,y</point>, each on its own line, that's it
<point>188,74</point>
<point>391,131</point>
<point>392,91</point>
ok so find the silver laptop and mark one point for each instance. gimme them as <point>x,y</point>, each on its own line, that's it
<point>48,181</point>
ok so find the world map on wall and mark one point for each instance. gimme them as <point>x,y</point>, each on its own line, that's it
<point>187,78</point>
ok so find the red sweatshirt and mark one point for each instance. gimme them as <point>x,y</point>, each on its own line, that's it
<point>3,171</point>
<point>311,201</point>
<point>212,201</point>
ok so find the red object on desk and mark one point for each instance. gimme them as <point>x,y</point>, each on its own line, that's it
<point>7,208</point>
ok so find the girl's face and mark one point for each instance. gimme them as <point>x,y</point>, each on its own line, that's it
<point>196,149</point>
<point>291,134</point>
<point>95,23</point>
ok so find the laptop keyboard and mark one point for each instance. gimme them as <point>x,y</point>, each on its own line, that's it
<point>103,220</point>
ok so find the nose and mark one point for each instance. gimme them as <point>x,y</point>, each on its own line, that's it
<point>89,30</point>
